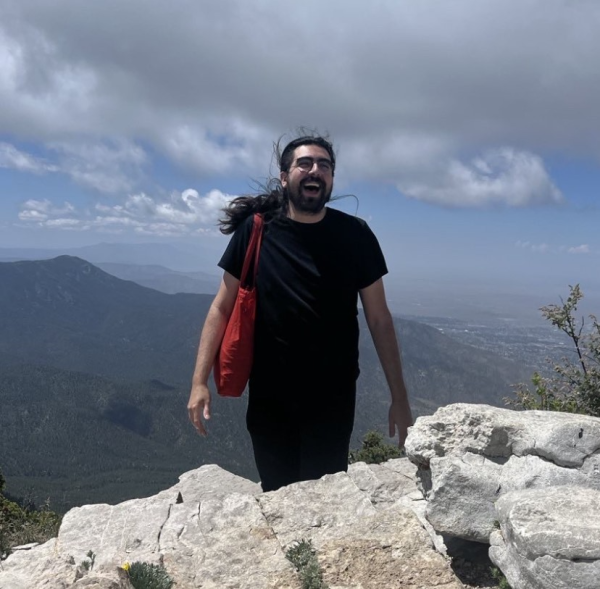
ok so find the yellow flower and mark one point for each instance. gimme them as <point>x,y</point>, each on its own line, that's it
<point>126,566</point>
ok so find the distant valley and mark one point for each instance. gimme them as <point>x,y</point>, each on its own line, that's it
<point>95,372</point>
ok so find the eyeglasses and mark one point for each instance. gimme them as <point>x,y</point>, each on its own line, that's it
<point>306,164</point>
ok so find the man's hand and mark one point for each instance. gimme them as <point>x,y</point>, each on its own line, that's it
<point>400,419</point>
<point>199,407</point>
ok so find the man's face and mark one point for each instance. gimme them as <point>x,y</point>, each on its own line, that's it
<point>309,182</point>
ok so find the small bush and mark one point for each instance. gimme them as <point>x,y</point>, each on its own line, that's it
<point>303,557</point>
<point>574,385</point>
<point>500,578</point>
<point>374,450</point>
<point>148,576</point>
<point>23,525</point>
<point>88,563</point>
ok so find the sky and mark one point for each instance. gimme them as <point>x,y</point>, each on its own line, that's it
<point>468,132</point>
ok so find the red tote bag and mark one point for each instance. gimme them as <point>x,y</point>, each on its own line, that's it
<point>233,363</point>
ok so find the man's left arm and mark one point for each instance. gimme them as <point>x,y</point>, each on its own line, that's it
<point>381,326</point>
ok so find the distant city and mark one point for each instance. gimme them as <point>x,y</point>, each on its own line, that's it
<point>530,345</point>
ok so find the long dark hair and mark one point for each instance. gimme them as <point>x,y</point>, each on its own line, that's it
<point>271,200</point>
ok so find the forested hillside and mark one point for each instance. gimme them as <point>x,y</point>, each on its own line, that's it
<point>78,438</point>
<point>95,373</point>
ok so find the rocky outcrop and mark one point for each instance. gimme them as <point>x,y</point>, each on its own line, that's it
<point>468,456</point>
<point>216,530</point>
<point>534,474</point>
<point>526,482</point>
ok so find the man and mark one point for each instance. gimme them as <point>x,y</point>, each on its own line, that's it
<point>314,263</point>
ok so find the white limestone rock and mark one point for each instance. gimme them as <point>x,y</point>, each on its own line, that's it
<point>549,538</point>
<point>39,568</point>
<point>470,455</point>
<point>216,537</point>
<point>215,530</point>
<point>357,544</point>
<point>384,483</point>
<point>461,501</point>
<point>394,483</point>
<point>566,439</point>
<point>314,509</point>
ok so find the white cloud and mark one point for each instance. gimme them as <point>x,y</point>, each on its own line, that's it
<point>544,248</point>
<point>231,146</point>
<point>580,249</point>
<point>13,158</point>
<point>42,210</point>
<point>108,167</point>
<point>112,168</point>
<point>64,223</point>
<point>160,229</point>
<point>182,208</point>
<point>540,248</point>
<point>499,177</point>
<point>210,85</point>
<point>399,155</point>
<point>32,215</point>
<point>183,213</point>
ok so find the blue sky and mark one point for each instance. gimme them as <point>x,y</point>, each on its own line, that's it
<point>468,131</point>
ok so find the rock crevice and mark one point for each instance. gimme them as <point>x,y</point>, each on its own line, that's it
<point>160,529</point>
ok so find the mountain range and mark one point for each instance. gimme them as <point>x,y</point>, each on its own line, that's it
<point>95,374</point>
<point>164,279</point>
<point>178,257</point>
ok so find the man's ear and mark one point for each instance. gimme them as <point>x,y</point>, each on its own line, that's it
<point>283,177</point>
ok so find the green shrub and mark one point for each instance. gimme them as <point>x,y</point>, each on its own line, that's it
<point>23,525</point>
<point>88,563</point>
<point>303,557</point>
<point>374,450</point>
<point>500,578</point>
<point>574,386</point>
<point>148,576</point>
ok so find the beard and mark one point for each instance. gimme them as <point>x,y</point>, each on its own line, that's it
<point>304,203</point>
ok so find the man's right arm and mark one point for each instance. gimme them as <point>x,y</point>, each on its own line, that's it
<point>210,340</point>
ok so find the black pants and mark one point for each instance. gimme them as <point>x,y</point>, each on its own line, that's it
<point>300,435</point>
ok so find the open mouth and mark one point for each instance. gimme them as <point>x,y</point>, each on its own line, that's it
<point>311,187</point>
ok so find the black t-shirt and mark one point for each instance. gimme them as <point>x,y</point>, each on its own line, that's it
<point>309,275</point>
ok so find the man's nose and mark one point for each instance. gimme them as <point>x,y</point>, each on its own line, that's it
<point>315,169</point>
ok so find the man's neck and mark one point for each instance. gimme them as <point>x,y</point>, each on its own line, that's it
<point>302,217</point>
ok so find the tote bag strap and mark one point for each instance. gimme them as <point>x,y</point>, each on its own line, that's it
<point>253,251</point>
